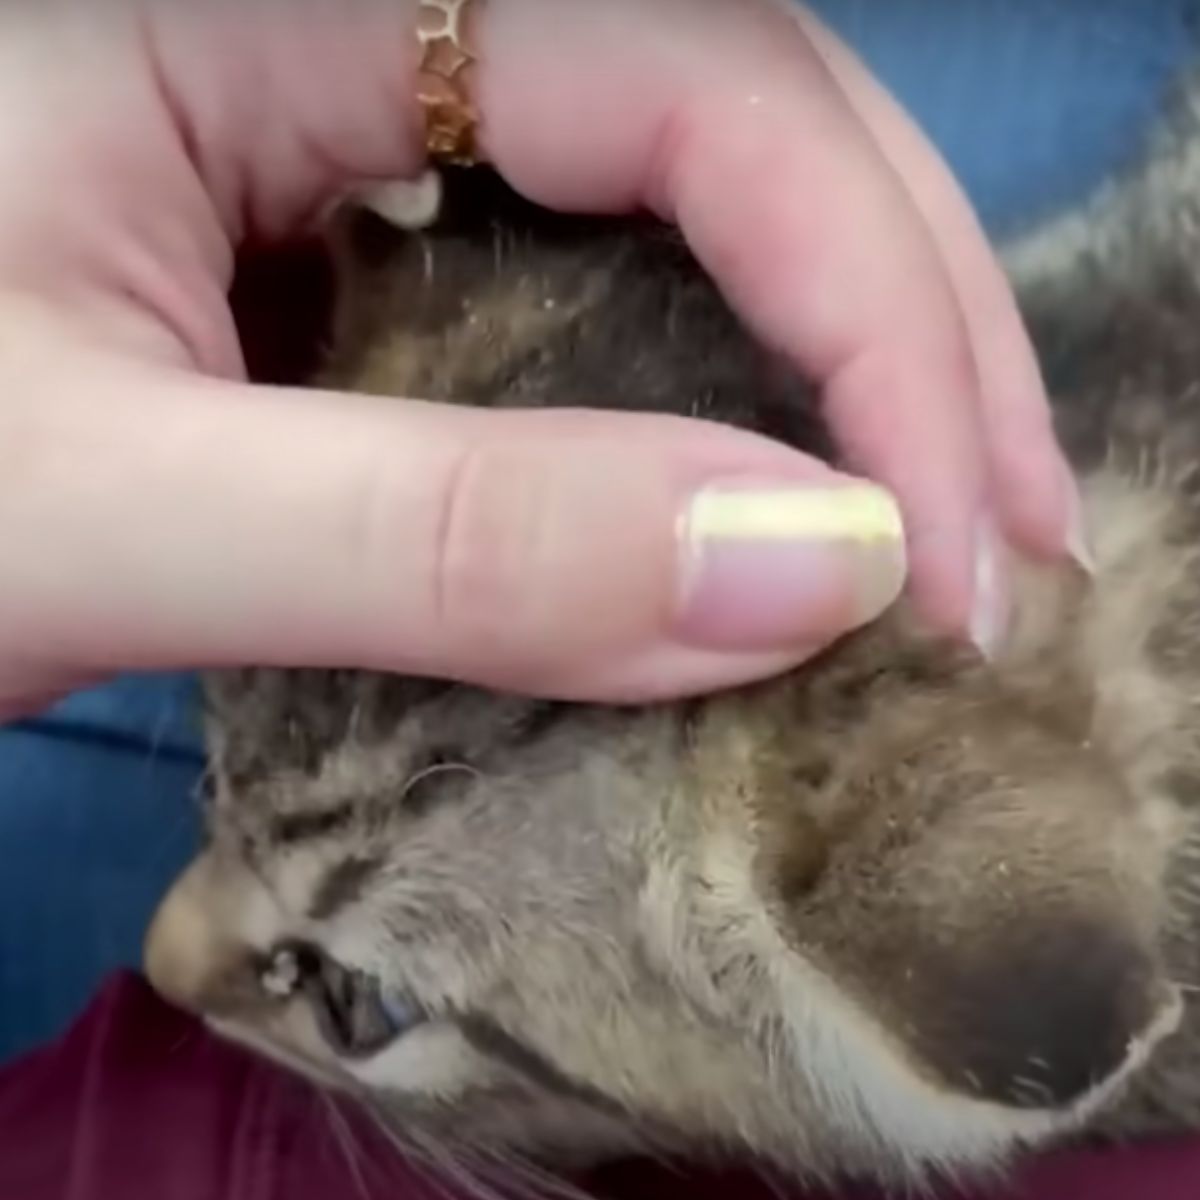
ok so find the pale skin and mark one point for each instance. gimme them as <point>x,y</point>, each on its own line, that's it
<point>157,511</point>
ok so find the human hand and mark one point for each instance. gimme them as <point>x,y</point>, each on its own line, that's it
<point>157,511</point>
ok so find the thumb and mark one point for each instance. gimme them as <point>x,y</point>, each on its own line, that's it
<point>578,555</point>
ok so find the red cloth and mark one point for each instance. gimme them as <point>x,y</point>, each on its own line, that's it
<point>138,1102</point>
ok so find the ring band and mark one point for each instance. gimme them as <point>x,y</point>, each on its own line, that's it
<point>451,120</point>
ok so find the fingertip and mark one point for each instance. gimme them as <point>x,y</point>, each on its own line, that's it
<point>1037,496</point>
<point>676,672</point>
<point>768,565</point>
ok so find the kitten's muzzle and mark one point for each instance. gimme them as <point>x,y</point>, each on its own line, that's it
<point>191,954</point>
<point>210,945</point>
<point>290,992</point>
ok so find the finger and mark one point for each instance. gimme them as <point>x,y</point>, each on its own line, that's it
<point>1032,484</point>
<point>849,284</point>
<point>465,543</point>
<point>747,142</point>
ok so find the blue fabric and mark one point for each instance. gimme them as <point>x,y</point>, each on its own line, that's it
<point>1031,101</point>
<point>96,817</point>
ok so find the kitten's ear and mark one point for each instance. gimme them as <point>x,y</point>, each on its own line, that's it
<point>974,946</point>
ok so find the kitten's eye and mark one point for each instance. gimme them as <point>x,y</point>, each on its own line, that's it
<point>354,1017</point>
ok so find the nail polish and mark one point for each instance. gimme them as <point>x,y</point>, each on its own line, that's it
<point>775,566</point>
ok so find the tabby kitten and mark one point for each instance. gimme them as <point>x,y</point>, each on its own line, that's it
<point>899,912</point>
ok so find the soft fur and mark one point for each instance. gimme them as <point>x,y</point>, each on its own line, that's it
<point>896,913</point>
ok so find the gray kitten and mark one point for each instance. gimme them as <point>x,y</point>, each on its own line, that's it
<point>900,912</point>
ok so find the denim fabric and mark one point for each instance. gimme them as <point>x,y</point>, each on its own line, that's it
<point>1031,101</point>
<point>96,817</point>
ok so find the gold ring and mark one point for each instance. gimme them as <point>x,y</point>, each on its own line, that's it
<point>451,119</point>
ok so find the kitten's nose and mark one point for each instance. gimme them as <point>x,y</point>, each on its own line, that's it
<point>190,949</point>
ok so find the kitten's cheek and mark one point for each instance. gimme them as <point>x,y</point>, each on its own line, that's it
<point>766,568</point>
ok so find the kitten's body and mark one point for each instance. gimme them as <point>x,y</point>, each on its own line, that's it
<point>898,911</point>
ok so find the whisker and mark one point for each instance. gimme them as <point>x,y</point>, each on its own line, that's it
<point>537,1182</point>
<point>456,1172</point>
<point>426,261</point>
<point>345,1140</point>
<point>436,769</point>
<point>414,1150</point>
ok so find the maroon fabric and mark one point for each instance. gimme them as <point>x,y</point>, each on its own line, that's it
<point>138,1101</point>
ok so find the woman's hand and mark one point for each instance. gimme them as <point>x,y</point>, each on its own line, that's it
<point>157,511</point>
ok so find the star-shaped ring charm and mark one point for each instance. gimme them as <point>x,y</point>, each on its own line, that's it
<point>450,118</point>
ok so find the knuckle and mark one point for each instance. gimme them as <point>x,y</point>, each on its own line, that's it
<point>490,581</point>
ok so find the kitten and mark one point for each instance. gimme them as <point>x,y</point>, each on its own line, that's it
<point>899,912</point>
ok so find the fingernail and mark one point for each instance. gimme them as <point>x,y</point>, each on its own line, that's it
<point>771,567</point>
<point>991,606</point>
<point>1078,543</point>
<point>409,204</point>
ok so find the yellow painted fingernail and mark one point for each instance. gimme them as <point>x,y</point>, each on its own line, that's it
<point>774,566</point>
<point>858,513</point>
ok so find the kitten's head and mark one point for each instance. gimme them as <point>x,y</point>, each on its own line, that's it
<point>917,930</point>
<point>898,911</point>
